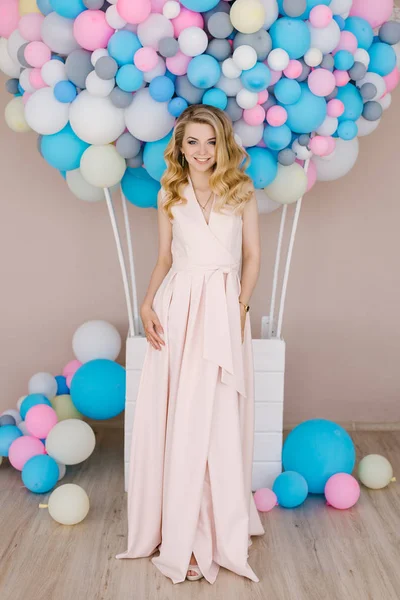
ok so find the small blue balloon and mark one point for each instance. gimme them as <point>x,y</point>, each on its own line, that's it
<point>161,88</point>
<point>140,188</point>
<point>287,91</point>
<point>215,97</point>
<point>44,6</point>
<point>277,138</point>
<point>257,78</point>
<point>32,400</point>
<point>8,433</point>
<point>199,5</point>
<point>382,59</point>
<point>353,102</point>
<point>347,130</point>
<point>291,35</point>
<point>361,29</point>
<point>153,157</point>
<point>62,387</point>
<point>177,106</point>
<point>340,21</point>
<point>40,473</point>
<point>129,78</point>
<point>344,60</point>
<point>291,489</point>
<point>308,113</point>
<point>263,167</point>
<point>63,150</point>
<point>65,91</point>
<point>69,9</point>
<point>122,46</point>
<point>204,71</point>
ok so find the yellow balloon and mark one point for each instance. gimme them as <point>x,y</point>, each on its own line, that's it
<point>15,115</point>
<point>375,471</point>
<point>65,408</point>
<point>289,184</point>
<point>28,6</point>
<point>247,16</point>
<point>68,504</point>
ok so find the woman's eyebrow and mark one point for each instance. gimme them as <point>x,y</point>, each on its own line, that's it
<point>190,137</point>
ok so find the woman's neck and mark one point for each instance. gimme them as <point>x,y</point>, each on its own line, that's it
<point>200,181</point>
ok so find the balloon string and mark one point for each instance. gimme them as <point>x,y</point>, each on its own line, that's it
<point>43,505</point>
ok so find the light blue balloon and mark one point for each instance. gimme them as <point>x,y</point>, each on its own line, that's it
<point>203,71</point>
<point>177,106</point>
<point>306,13</point>
<point>287,91</point>
<point>347,130</point>
<point>308,113</point>
<point>361,29</point>
<point>263,167</point>
<point>340,21</point>
<point>65,91</point>
<point>140,188</point>
<point>277,138</point>
<point>215,97</point>
<point>344,60</point>
<point>122,46</point>
<point>291,35</point>
<point>383,59</point>
<point>69,9</point>
<point>129,78</point>
<point>98,389</point>
<point>63,150</point>
<point>161,88</point>
<point>291,489</point>
<point>318,449</point>
<point>44,6</point>
<point>353,102</point>
<point>32,400</point>
<point>40,473</point>
<point>199,5</point>
<point>257,78</point>
<point>153,157</point>
<point>8,433</point>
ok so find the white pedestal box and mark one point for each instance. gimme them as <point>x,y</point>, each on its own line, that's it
<point>269,371</point>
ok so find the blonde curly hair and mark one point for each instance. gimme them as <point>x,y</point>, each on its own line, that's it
<point>230,183</point>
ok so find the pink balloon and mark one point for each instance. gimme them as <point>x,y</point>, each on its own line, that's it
<point>341,77</point>
<point>91,29</point>
<point>37,54</point>
<point>36,80</point>
<point>71,367</point>
<point>40,419</point>
<point>275,75</point>
<point>9,17</point>
<point>254,116</point>
<point>321,82</point>
<point>30,27</point>
<point>320,16</point>
<point>342,491</point>
<point>265,499</point>
<point>186,18</point>
<point>23,448</point>
<point>376,12</point>
<point>145,59</point>
<point>276,116</point>
<point>392,80</point>
<point>157,6</point>
<point>335,108</point>
<point>262,97</point>
<point>320,145</point>
<point>293,70</point>
<point>134,12</point>
<point>178,64</point>
<point>348,41</point>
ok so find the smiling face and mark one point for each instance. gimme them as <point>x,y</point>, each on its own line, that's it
<point>198,146</point>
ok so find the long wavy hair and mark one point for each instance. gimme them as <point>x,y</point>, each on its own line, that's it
<point>228,180</point>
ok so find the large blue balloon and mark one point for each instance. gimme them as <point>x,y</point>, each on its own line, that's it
<point>122,46</point>
<point>353,102</point>
<point>98,389</point>
<point>153,157</point>
<point>139,188</point>
<point>277,138</point>
<point>63,150</point>
<point>306,13</point>
<point>318,449</point>
<point>257,78</point>
<point>383,59</point>
<point>203,71</point>
<point>308,113</point>
<point>263,167</point>
<point>32,400</point>
<point>291,489</point>
<point>40,473</point>
<point>291,35</point>
<point>361,29</point>
<point>161,88</point>
<point>199,5</point>
<point>69,9</point>
<point>287,91</point>
<point>129,78</point>
<point>215,97</point>
<point>8,433</point>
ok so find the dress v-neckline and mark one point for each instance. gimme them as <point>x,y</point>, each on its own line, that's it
<point>199,207</point>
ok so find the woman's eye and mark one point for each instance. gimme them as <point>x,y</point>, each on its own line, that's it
<point>191,142</point>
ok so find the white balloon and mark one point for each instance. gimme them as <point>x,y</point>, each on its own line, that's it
<point>102,166</point>
<point>231,87</point>
<point>153,29</point>
<point>22,427</point>
<point>96,120</point>
<point>302,152</point>
<point>250,135</point>
<point>278,59</point>
<point>246,99</point>
<point>366,127</point>
<point>96,339</point>
<point>264,203</point>
<point>386,101</point>
<point>362,56</point>
<point>14,115</point>
<point>289,185</point>
<point>44,113</point>
<point>377,81</point>
<point>62,469</point>
<point>68,504</point>
<point>20,401</point>
<point>146,119</point>
<point>81,188</point>
<point>24,81</point>
<point>7,64</point>
<point>13,413</point>
<point>97,86</point>
<point>158,70</point>
<point>245,57</point>
<point>324,38</point>
<point>313,57</point>
<point>58,34</point>
<point>113,18</point>
<point>328,127</point>
<point>53,71</point>
<point>14,43</point>
<point>43,383</point>
<point>340,6</point>
<point>96,54</point>
<point>193,41</point>
<point>271,12</point>
<point>171,9</point>
<point>340,162</point>
<point>70,442</point>
<point>230,69</point>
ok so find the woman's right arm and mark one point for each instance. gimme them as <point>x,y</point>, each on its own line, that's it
<point>150,319</point>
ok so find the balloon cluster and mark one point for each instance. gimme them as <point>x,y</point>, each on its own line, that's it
<point>102,83</point>
<point>47,431</point>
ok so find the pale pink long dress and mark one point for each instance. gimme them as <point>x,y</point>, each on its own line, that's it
<point>192,440</point>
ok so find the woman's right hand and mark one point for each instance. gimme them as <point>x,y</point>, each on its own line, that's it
<point>152,326</point>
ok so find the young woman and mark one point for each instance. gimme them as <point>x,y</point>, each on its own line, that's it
<point>191,458</point>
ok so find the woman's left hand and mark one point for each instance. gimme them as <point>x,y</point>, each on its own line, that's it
<point>243,315</point>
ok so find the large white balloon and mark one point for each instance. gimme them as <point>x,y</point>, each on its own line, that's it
<point>102,166</point>
<point>96,120</point>
<point>271,12</point>
<point>153,29</point>
<point>366,127</point>
<point>7,64</point>
<point>264,203</point>
<point>146,119</point>
<point>328,127</point>
<point>324,38</point>
<point>339,163</point>
<point>15,115</point>
<point>96,339</point>
<point>68,504</point>
<point>44,114</point>
<point>43,383</point>
<point>58,34</point>
<point>250,135</point>
<point>289,184</point>
<point>70,442</point>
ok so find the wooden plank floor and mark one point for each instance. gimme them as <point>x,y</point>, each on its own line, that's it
<point>309,553</point>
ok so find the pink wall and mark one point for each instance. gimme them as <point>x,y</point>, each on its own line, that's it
<point>59,268</point>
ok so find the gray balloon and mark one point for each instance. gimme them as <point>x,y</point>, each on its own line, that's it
<point>223,7</point>
<point>328,62</point>
<point>119,98</point>
<point>106,67</point>
<point>333,94</point>
<point>270,102</point>
<point>357,71</point>
<point>260,41</point>
<point>127,145</point>
<point>12,86</point>
<point>78,66</point>
<point>368,91</point>
<point>21,57</point>
<point>304,139</point>
<point>93,4</point>
<point>286,157</point>
<point>168,46</point>
<point>233,110</point>
<point>7,420</point>
<point>219,49</point>
<point>372,111</point>
<point>294,8</point>
<point>305,72</point>
<point>219,25</point>
<point>187,90</point>
<point>390,33</point>
<point>135,162</point>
